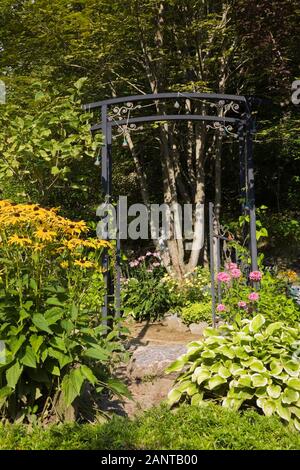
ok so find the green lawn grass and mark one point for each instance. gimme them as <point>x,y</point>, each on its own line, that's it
<point>188,427</point>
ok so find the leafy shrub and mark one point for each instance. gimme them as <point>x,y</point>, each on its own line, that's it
<point>255,365</point>
<point>48,323</point>
<point>149,293</point>
<point>196,312</point>
<point>213,427</point>
<point>48,149</point>
<point>194,287</point>
<point>145,295</point>
<point>147,299</point>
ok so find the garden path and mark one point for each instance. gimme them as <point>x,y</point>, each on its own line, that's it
<point>153,346</point>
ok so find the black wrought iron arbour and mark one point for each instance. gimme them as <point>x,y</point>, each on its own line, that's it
<point>228,114</point>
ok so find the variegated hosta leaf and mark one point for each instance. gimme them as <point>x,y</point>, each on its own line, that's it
<point>242,365</point>
<point>274,391</point>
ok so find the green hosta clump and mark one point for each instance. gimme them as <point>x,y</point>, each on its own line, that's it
<point>254,364</point>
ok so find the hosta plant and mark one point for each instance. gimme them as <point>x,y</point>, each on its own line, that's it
<point>254,364</point>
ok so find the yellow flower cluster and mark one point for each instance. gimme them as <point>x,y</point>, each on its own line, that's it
<point>29,226</point>
<point>289,275</point>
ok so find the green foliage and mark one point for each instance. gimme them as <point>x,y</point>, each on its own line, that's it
<point>193,288</point>
<point>146,300</point>
<point>273,301</point>
<point>44,146</point>
<point>150,293</point>
<point>254,365</point>
<point>196,312</point>
<point>49,311</point>
<point>189,427</point>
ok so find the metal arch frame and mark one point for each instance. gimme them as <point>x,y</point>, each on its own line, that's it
<point>245,125</point>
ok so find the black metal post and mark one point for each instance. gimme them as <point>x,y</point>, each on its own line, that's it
<point>118,266</point>
<point>105,186</point>
<point>242,143</point>
<point>218,264</point>
<point>251,195</point>
<point>212,262</point>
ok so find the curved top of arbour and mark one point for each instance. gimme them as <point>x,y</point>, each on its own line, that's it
<point>104,104</point>
<point>160,96</point>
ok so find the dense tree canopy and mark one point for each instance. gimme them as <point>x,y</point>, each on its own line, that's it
<point>141,46</point>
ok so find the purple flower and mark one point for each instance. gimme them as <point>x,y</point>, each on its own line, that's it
<point>221,308</point>
<point>242,304</point>
<point>223,277</point>
<point>255,276</point>
<point>254,296</point>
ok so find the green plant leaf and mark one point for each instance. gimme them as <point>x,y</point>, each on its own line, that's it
<point>13,374</point>
<point>71,386</point>
<point>200,375</point>
<point>274,391</point>
<point>294,383</point>
<point>289,396</point>
<point>256,323</point>
<point>88,374</point>
<point>97,353</point>
<point>283,411</point>
<point>174,396</point>
<point>36,341</point>
<point>118,387</point>
<point>259,380</point>
<point>268,406</point>
<point>176,366</point>
<point>41,323</point>
<point>29,358</point>
<point>215,382</point>
<point>197,399</point>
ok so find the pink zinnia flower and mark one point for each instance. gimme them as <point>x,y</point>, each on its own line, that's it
<point>231,266</point>
<point>148,253</point>
<point>149,270</point>
<point>254,296</point>
<point>221,308</point>
<point>141,258</point>
<point>242,304</point>
<point>155,265</point>
<point>236,273</point>
<point>157,255</point>
<point>223,277</point>
<point>255,276</point>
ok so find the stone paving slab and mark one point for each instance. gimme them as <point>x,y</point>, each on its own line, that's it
<point>153,359</point>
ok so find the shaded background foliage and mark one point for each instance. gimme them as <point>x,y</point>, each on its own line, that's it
<point>115,45</point>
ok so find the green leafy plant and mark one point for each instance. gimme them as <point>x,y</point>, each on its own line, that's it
<point>196,312</point>
<point>149,299</point>
<point>252,365</point>
<point>272,299</point>
<point>46,148</point>
<point>49,309</point>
